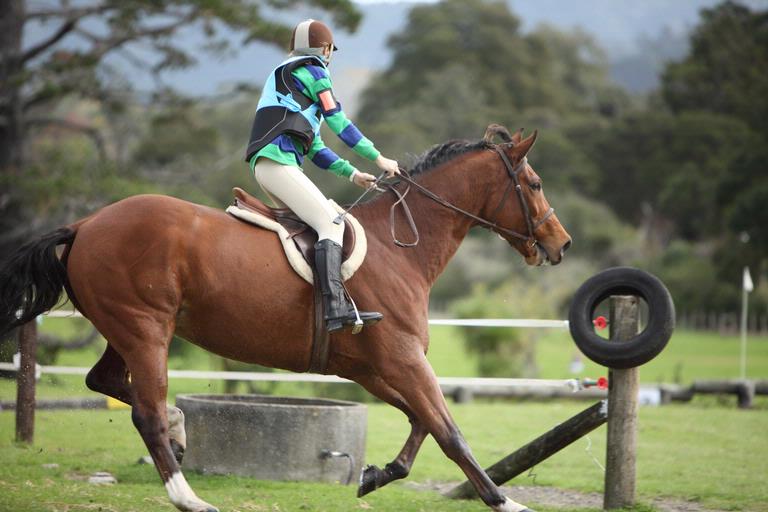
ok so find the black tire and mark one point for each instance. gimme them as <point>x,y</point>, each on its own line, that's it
<point>622,281</point>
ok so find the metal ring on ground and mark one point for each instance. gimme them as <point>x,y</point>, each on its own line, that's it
<point>622,281</point>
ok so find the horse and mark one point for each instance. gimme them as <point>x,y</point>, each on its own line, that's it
<point>150,266</point>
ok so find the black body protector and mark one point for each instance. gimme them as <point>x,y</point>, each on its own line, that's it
<point>283,108</point>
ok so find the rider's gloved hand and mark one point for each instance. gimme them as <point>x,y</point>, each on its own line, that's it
<point>363,179</point>
<point>387,165</point>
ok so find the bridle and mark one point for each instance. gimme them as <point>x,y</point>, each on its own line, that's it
<point>513,172</point>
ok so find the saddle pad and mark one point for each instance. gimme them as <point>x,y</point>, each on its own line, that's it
<point>295,258</point>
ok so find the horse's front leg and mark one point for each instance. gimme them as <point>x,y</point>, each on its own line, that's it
<point>374,477</point>
<point>414,379</point>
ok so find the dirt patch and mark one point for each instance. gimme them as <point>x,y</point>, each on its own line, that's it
<point>569,499</point>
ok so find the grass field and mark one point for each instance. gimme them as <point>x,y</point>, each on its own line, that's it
<point>714,457</point>
<point>689,355</point>
<point>707,452</point>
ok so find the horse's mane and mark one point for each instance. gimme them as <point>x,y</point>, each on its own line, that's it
<point>444,152</point>
<point>441,153</point>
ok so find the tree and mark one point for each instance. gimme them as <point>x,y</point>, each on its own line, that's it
<point>724,73</point>
<point>563,72</point>
<point>459,65</point>
<point>69,62</point>
<point>743,194</point>
<point>725,69</point>
<point>657,167</point>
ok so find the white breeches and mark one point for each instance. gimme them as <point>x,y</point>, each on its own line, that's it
<point>287,186</point>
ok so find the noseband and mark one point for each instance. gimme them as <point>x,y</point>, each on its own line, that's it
<point>515,180</point>
<point>513,172</point>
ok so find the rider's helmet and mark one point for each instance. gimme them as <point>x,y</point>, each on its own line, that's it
<point>310,37</point>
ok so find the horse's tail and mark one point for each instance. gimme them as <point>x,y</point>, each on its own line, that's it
<point>32,278</point>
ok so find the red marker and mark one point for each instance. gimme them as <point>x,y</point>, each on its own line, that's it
<point>600,322</point>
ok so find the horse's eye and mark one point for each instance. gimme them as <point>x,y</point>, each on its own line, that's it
<point>536,186</point>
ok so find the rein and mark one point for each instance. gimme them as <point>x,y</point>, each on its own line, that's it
<point>513,173</point>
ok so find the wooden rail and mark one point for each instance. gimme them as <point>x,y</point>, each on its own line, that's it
<point>621,416</point>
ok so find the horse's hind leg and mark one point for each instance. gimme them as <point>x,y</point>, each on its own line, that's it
<point>143,346</point>
<point>110,377</point>
<point>417,384</point>
<point>373,477</point>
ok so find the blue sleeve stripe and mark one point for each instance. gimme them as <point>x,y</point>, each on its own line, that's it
<point>324,158</point>
<point>317,72</point>
<point>299,84</point>
<point>351,135</point>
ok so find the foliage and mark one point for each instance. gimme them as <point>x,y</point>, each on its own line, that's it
<point>599,235</point>
<point>672,163</point>
<point>174,133</point>
<point>688,163</point>
<point>70,59</point>
<point>511,352</point>
<point>743,194</point>
<point>724,73</point>
<point>692,279</point>
<point>675,182</point>
<point>501,352</point>
<point>457,65</point>
<point>725,69</point>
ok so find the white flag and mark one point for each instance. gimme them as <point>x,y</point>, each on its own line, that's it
<point>748,285</point>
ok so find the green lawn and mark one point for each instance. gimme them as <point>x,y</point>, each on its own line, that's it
<point>690,355</point>
<point>713,456</point>
<point>701,451</point>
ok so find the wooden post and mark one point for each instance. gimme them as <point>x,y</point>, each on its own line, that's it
<point>539,449</point>
<point>622,411</point>
<point>25,384</point>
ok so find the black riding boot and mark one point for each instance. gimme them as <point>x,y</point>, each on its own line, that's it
<point>338,311</point>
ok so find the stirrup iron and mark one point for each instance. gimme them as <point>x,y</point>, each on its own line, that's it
<point>358,321</point>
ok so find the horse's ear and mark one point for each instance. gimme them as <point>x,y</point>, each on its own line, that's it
<point>524,146</point>
<point>517,136</point>
<point>496,129</point>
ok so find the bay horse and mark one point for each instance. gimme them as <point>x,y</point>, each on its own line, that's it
<point>150,266</point>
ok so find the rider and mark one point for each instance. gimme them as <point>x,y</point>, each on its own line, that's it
<point>296,98</point>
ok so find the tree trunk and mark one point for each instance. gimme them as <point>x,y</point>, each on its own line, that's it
<point>11,26</point>
<point>11,124</point>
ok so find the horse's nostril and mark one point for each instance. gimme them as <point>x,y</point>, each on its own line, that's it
<point>565,247</point>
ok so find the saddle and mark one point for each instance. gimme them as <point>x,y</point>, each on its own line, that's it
<point>297,237</point>
<point>298,240</point>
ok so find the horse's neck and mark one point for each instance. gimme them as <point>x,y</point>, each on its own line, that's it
<point>441,230</point>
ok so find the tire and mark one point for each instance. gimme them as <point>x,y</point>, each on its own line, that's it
<point>622,281</point>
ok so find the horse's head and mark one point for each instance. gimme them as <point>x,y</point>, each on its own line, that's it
<point>517,204</point>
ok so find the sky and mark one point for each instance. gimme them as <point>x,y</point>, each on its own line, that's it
<point>615,24</point>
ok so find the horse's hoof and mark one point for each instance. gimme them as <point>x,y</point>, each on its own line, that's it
<point>510,506</point>
<point>367,480</point>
